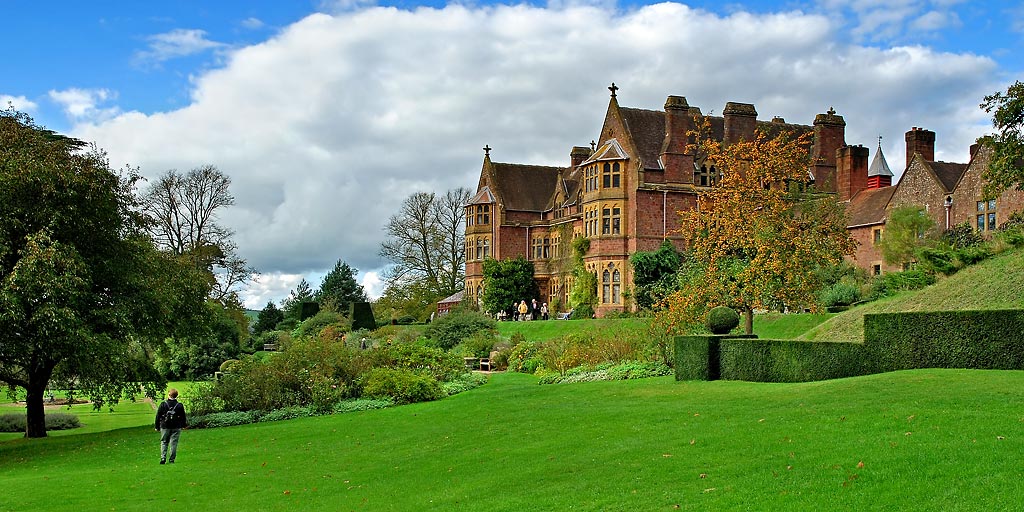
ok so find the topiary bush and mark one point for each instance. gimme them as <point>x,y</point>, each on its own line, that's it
<point>722,320</point>
<point>451,329</point>
<point>401,385</point>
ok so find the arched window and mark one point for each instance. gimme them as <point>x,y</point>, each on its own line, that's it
<point>606,286</point>
<point>616,287</point>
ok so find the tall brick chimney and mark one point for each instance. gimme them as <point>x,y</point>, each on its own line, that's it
<point>678,163</point>
<point>851,171</point>
<point>829,136</point>
<point>920,141</point>
<point>578,155</point>
<point>740,120</point>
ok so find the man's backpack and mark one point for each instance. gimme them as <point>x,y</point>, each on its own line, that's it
<point>171,416</point>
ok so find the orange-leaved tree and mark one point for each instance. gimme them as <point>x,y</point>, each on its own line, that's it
<point>759,232</point>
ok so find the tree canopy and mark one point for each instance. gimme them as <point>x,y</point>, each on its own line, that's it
<point>339,288</point>
<point>1006,168</point>
<point>84,294</point>
<point>757,237</point>
<point>507,282</point>
<point>907,230</point>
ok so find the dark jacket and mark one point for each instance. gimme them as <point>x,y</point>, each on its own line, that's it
<point>180,421</point>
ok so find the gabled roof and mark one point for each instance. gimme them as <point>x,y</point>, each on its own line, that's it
<point>456,298</point>
<point>610,150</point>
<point>868,206</point>
<point>647,129</point>
<point>484,196</point>
<point>525,187</point>
<point>879,167</point>
<point>948,173</point>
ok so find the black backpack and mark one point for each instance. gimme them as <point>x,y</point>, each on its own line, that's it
<point>171,416</point>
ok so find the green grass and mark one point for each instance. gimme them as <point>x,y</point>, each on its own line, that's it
<point>997,283</point>
<point>921,440</point>
<point>543,330</point>
<point>125,415</point>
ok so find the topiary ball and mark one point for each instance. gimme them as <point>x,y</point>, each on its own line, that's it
<point>721,320</point>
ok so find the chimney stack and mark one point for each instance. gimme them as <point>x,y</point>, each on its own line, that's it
<point>678,163</point>
<point>578,155</point>
<point>920,141</point>
<point>740,120</point>
<point>851,171</point>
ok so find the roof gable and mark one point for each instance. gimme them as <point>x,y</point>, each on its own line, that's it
<point>525,187</point>
<point>868,206</point>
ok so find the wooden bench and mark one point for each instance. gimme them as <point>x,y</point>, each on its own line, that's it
<point>565,316</point>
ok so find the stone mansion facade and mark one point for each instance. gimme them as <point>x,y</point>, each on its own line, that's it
<point>622,192</point>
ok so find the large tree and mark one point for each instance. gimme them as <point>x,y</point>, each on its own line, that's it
<point>508,282</point>
<point>1007,166</point>
<point>184,209</point>
<point>908,230</point>
<point>339,288</point>
<point>426,241</point>
<point>84,295</point>
<point>757,236</point>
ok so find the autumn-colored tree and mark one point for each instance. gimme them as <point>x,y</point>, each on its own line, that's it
<point>758,234</point>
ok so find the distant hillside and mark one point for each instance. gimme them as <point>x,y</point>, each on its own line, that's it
<point>997,283</point>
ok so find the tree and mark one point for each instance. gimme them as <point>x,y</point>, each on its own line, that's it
<point>907,230</point>
<point>184,209</point>
<point>583,295</point>
<point>339,288</point>
<point>268,318</point>
<point>507,282</point>
<point>426,241</point>
<point>292,305</point>
<point>654,274</point>
<point>1006,168</point>
<point>407,297</point>
<point>85,297</point>
<point>757,237</point>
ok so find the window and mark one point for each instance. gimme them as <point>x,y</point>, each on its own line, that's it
<point>876,236</point>
<point>469,216</point>
<point>616,287</point>
<point>606,288</point>
<point>986,218</point>
<point>591,178</point>
<point>590,221</point>
<point>611,221</point>
<point>536,249</point>
<point>704,177</point>
<point>554,248</point>
<point>611,285</point>
<point>483,214</point>
<point>547,248</point>
<point>487,248</point>
<point>876,270</point>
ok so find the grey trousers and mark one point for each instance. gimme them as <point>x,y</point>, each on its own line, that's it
<point>169,442</point>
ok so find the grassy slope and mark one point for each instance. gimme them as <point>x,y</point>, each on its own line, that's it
<point>768,326</point>
<point>997,283</point>
<point>942,439</point>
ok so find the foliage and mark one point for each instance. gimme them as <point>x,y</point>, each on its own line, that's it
<point>437,363</point>
<point>183,210</point>
<point>406,301</point>
<point>1005,170</point>
<point>507,282</point>
<point>961,236</point>
<point>908,229</point>
<point>361,316</point>
<point>200,354</point>
<point>316,323</point>
<point>722,319</point>
<point>842,293</point>
<point>479,344</point>
<point>449,330</point>
<point>465,382</point>
<point>891,282</point>
<point>292,305</point>
<point>625,370</point>
<point>401,385</point>
<point>654,274</point>
<point>268,318</point>
<point>426,242</point>
<point>525,357</point>
<point>583,295</point>
<point>15,422</point>
<point>84,295</point>
<point>756,237</point>
<point>339,289</point>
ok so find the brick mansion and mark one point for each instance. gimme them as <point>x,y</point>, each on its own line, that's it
<point>624,189</point>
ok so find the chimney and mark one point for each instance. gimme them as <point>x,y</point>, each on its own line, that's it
<point>920,141</point>
<point>677,161</point>
<point>851,171</point>
<point>740,120</point>
<point>974,149</point>
<point>829,136</point>
<point>578,155</point>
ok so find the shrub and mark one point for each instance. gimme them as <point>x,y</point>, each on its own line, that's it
<point>401,385</point>
<point>839,294</point>
<point>362,316</point>
<point>16,422</point>
<point>437,363</point>
<point>721,320</point>
<point>525,357</point>
<point>972,255</point>
<point>465,382</point>
<point>363,404</point>
<point>889,283</point>
<point>937,260</point>
<point>451,329</point>
<point>478,345</point>
<point>314,324</point>
<point>569,351</point>
<point>224,419</point>
<point>226,366</point>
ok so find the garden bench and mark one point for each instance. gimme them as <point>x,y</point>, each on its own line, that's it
<point>565,316</point>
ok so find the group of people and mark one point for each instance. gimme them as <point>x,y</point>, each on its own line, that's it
<point>530,311</point>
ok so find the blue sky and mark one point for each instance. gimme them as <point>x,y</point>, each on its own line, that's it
<point>327,114</point>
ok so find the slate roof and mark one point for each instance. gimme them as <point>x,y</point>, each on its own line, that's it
<point>879,167</point>
<point>948,173</point>
<point>484,196</point>
<point>647,128</point>
<point>453,299</point>
<point>868,206</point>
<point>525,187</point>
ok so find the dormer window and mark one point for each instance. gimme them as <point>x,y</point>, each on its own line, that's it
<point>611,175</point>
<point>703,176</point>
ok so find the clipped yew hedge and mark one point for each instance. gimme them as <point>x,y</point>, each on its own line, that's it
<point>992,339</point>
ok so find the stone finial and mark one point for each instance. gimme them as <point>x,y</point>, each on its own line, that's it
<point>613,88</point>
<point>487,150</point>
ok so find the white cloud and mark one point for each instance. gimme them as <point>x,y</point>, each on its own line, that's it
<point>20,103</point>
<point>253,23</point>
<point>86,105</point>
<point>372,284</point>
<point>326,127</point>
<point>174,44</point>
<point>269,287</point>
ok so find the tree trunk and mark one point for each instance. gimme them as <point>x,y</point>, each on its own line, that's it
<point>35,414</point>
<point>749,320</point>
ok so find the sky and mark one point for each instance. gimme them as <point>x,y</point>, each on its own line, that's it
<point>326,115</point>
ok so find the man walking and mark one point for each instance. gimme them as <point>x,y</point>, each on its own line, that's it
<point>170,419</point>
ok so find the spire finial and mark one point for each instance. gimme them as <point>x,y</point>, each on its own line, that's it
<point>831,111</point>
<point>613,88</point>
<point>593,146</point>
<point>487,150</point>
<point>879,142</point>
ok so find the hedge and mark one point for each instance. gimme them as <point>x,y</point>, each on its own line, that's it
<point>991,339</point>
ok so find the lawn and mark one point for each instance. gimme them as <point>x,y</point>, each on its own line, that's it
<point>923,440</point>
